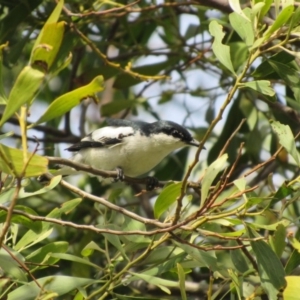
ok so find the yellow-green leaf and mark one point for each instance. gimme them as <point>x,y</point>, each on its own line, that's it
<point>167,197</point>
<point>45,52</point>
<point>23,91</point>
<point>12,162</point>
<point>292,291</point>
<point>64,103</point>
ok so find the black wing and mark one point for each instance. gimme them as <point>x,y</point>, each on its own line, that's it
<point>93,144</point>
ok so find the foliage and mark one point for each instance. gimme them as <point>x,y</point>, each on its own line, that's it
<point>226,226</point>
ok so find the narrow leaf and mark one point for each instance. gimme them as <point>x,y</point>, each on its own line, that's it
<point>181,277</point>
<point>167,197</point>
<point>46,51</point>
<point>58,284</point>
<point>23,91</point>
<point>210,174</point>
<point>280,20</point>
<point>270,269</point>
<point>64,103</point>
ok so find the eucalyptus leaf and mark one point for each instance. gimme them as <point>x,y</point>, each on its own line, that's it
<point>221,51</point>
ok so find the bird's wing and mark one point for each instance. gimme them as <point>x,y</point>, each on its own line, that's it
<point>103,137</point>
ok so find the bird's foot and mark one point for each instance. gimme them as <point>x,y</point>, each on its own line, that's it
<point>120,176</point>
<point>151,183</point>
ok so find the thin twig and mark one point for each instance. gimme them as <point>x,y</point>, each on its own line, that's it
<point>10,211</point>
<point>22,265</point>
<point>231,137</point>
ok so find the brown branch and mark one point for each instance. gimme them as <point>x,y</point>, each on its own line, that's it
<point>22,265</point>
<point>218,247</point>
<point>108,174</point>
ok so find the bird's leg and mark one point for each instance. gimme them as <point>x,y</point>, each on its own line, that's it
<point>120,176</point>
<point>151,183</point>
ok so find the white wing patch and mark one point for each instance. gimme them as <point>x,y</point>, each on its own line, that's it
<point>107,133</point>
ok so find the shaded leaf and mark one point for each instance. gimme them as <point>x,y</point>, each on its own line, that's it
<point>210,174</point>
<point>270,269</point>
<point>10,267</point>
<point>167,197</point>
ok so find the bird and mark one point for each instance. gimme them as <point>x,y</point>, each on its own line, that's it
<point>133,148</point>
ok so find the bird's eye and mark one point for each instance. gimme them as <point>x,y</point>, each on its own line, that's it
<point>176,134</point>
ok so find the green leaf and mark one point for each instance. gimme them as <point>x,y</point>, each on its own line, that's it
<point>131,225</point>
<point>280,20</point>
<point>265,8</point>
<point>288,74</point>
<point>292,290</point>
<point>206,259</point>
<point>266,71</point>
<point>221,51</point>
<point>283,192</point>
<point>159,282</point>
<point>12,162</point>
<point>243,26</point>
<point>261,86</point>
<point>270,269</point>
<point>31,238</point>
<point>51,185</point>
<point>239,260</point>
<point>181,277</point>
<point>277,240</point>
<point>10,267</point>
<point>53,18</point>
<point>70,205</point>
<point>286,139</point>
<point>75,258</point>
<point>45,52</point>
<point>41,255</point>
<point>210,174</point>
<point>115,241</point>
<point>236,7</point>
<point>58,284</point>
<point>293,262</point>
<point>167,197</point>
<point>64,103</point>
<point>23,91</point>
<point>88,250</point>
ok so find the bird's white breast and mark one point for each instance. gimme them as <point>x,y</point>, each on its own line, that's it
<point>136,154</point>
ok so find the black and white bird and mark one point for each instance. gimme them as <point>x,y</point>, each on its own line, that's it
<point>133,147</point>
